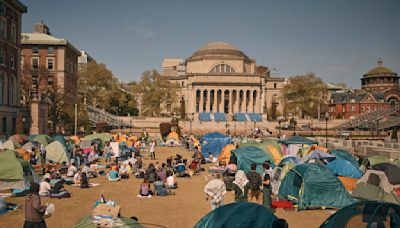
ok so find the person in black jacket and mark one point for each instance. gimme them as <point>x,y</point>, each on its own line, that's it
<point>255,184</point>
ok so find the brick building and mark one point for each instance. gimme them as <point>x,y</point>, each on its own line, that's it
<point>10,48</point>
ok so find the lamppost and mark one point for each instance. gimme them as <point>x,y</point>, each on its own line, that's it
<point>279,130</point>
<point>326,129</point>
<point>190,121</point>
<point>293,122</point>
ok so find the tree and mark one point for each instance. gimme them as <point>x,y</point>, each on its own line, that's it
<point>33,81</point>
<point>157,91</point>
<point>303,95</point>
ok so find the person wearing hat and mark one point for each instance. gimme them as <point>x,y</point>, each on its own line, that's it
<point>267,201</point>
<point>34,210</point>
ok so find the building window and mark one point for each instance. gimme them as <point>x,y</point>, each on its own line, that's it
<point>4,124</point>
<point>14,33</point>
<point>35,63</point>
<point>1,89</point>
<point>11,91</point>
<point>2,9</point>
<point>12,60</point>
<point>353,108</point>
<point>35,50</point>
<point>50,50</point>
<point>2,56</point>
<point>3,28</point>
<point>50,64</point>
<point>222,68</point>
<point>274,85</point>
<point>362,109</point>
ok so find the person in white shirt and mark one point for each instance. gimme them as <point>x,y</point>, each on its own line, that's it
<point>72,169</point>
<point>44,189</point>
<point>170,182</point>
<point>153,149</point>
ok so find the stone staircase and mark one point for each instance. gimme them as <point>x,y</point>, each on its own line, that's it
<point>97,115</point>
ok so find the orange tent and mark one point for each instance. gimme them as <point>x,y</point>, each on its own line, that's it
<point>24,154</point>
<point>225,154</point>
<point>75,139</point>
<point>316,147</point>
<point>275,153</point>
<point>348,183</point>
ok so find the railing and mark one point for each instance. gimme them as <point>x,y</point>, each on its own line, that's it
<point>97,115</point>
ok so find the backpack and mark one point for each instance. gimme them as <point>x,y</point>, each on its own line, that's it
<point>152,177</point>
<point>254,181</point>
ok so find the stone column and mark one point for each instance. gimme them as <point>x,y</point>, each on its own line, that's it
<point>244,99</point>
<point>230,102</point>
<point>215,102</point>
<point>208,100</point>
<point>257,102</point>
<point>201,108</point>
<point>236,109</point>
<point>251,102</point>
<point>222,102</point>
<point>262,101</point>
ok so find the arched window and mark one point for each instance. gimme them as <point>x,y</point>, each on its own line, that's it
<point>222,68</point>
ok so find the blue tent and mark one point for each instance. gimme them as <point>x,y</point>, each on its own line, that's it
<point>248,155</point>
<point>213,143</point>
<point>344,155</point>
<point>239,214</point>
<point>344,168</point>
<point>320,155</point>
<point>298,140</point>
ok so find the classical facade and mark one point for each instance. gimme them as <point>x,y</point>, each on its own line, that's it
<point>219,78</point>
<point>10,49</point>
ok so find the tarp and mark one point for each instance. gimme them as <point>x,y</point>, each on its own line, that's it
<point>11,145</point>
<point>248,155</point>
<point>313,185</point>
<point>392,172</point>
<point>173,135</point>
<point>344,155</point>
<point>298,140</point>
<point>344,168</point>
<point>56,152</point>
<point>239,214</point>
<point>104,137</point>
<point>348,183</point>
<point>42,139</point>
<point>362,214</point>
<point>225,154</point>
<point>87,222</point>
<point>212,143</point>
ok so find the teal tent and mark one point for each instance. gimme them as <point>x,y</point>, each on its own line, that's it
<point>344,155</point>
<point>239,214</point>
<point>247,155</point>
<point>298,140</point>
<point>59,138</point>
<point>344,168</point>
<point>364,214</point>
<point>313,186</point>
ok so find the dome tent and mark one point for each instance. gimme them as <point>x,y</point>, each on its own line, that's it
<point>56,152</point>
<point>212,143</point>
<point>344,155</point>
<point>248,155</point>
<point>344,168</point>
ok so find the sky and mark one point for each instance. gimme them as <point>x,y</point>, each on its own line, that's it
<point>338,40</point>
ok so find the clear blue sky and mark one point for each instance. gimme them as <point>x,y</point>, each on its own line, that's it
<point>339,40</point>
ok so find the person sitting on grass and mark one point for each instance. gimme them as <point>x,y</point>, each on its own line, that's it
<point>151,173</point>
<point>145,189</point>
<point>114,176</point>
<point>161,172</point>
<point>72,169</point>
<point>45,187</point>
<point>123,172</point>
<point>59,191</point>
<point>170,183</point>
<point>84,183</point>
<point>77,178</point>
<point>160,189</point>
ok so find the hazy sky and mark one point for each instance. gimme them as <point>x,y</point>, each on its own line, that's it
<point>339,40</point>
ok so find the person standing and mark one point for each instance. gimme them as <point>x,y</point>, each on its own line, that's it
<point>215,189</point>
<point>42,151</point>
<point>240,185</point>
<point>267,201</point>
<point>255,184</point>
<point>34,210</point>
<point>153,149</point>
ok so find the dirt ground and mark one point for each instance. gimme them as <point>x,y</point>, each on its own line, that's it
<point>183,209</point>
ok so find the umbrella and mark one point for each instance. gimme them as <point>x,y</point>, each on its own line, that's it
<point>42,139</point>
<point>19,138</point>
<point>11,145</point>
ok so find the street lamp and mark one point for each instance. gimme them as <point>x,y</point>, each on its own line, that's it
<point>279,130</point>
<point>190,121</point>
<point>326,129</point>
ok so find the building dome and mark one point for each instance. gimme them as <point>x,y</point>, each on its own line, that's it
<point>218,49</point>
<point>380,70</point>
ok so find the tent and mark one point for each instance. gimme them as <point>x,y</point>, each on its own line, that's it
<point>279,174</point>
<point>19,138</point>
<point>12,174</point>
<point>373,160</point>
<point>104,137</point>
<point>11,145</point>
<point>173,135</point>
<point>24,154</point>
<point>56,152</point>
<point>267,148</point>
<point>75,139</point>
<point>313,185</point>
<point>344,155</point>
<point>344,168</point>
<point>225,155</point>
<point>42,139</point>
<point>212,143</point>
<point>318,156</point>
<point>28,146</point>
<point>239,214</point>
<point>392,172</point>
<point>248,155</point>
<point>298,140</point>
<point>85,144</point>
<point>363,214</point>
<point>87,222</point>
<point>289,159</point>
<point>374,185</point>
<point>348,182</point>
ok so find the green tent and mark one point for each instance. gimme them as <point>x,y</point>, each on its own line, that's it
<point>87,222</point>
<point>11,171</point>
<point>264,146</point>
<point>249,154</point>
<point>313,186</point>
<point>363,214</point>
<point>56,152</point>
<point>373,160</point>
<point>344,155</point>
<point>239,214</point>
<point>104,137</point>
<point>12,145</point>
<point>42,139</point>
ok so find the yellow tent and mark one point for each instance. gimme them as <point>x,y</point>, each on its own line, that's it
<point>275,153</point>
<point>115,136</point>
<point>173,135</point>
<point>133,138</point>
<point>121,138</point>
<point>225,154</point>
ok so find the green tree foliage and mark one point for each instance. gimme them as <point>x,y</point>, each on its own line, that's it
<point>156,91</point>
<point>304,94</point>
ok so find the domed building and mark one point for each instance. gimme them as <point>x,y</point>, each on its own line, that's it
<point>218,79</point>
<point>384,80</point>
